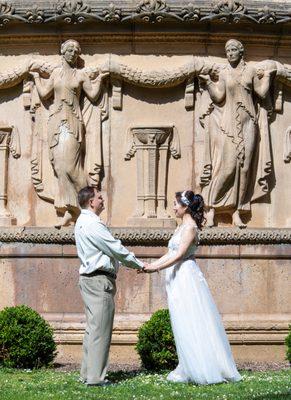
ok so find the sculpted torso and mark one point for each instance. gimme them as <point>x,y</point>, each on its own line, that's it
<point>72,81</point>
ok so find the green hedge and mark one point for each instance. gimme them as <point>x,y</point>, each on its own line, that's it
<point>26,339</point>
<point>156,346</point>
<point>288,344</point>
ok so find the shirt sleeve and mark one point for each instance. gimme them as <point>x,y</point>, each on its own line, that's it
<point>102,238</point>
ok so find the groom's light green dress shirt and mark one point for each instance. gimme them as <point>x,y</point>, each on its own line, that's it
<point>98,249</point>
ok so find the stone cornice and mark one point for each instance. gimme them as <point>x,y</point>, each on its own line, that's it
<point>150,237</point>
<point>197,12</point>
<point>194,38</point>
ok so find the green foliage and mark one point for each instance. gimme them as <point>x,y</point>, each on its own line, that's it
<point>156,346</point>
<point>288,344</point>
<point>26,339</point>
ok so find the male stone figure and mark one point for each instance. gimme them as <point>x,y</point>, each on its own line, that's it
<point>99,253</point>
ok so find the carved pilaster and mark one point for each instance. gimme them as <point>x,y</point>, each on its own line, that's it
<point>152,146</point>
<point>189,94</point>
<point>117,94</point>
<point>6,218</point>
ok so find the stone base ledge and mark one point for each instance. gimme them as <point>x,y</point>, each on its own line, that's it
<point>241,329</point>
<point>253,337</point>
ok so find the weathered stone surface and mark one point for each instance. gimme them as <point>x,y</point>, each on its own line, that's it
<point>251,290</point>
<point>154,55</point>
<point>145,11</point>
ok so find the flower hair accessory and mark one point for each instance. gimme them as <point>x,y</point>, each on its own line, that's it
<point>185,200</point>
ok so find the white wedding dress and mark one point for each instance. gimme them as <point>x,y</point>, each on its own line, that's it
<point>203,350</point>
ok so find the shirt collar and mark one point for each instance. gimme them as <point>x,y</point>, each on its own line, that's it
<point>85,211</point>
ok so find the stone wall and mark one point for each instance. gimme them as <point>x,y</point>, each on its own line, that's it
<point>250,284</point>
<point>168,110</point>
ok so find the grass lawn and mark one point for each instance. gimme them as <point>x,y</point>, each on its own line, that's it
<point>51,384</point>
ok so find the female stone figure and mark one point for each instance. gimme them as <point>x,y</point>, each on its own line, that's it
<point>66,127</point>
<point>230,165</point>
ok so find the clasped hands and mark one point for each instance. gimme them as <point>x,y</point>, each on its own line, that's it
<point>148,268</point>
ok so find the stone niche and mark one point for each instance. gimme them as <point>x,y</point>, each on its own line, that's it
<point>167,109</point>
<point>152,146</point>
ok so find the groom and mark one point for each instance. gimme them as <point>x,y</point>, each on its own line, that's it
<point>100,254</point>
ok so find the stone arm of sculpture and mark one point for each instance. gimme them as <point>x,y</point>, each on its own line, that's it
<point>216,90</point>
<point>262,81</point>
<point>44,89</point>
<point>92,90</point>
<point>215,85</point>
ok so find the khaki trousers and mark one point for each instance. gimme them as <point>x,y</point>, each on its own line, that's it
<point>98,296</point>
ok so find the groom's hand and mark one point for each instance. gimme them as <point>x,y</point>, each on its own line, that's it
<point>142,270</point>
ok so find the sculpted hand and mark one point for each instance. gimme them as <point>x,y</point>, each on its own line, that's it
<point>260,73</point>
<point>100,77</point>
<point>211,76</point>
<point>204,78</point>
<point>34,74</point>
<point>34,65</point>
<point>214,73</point>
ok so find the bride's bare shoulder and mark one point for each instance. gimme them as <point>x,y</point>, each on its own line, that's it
<point>190,229</point>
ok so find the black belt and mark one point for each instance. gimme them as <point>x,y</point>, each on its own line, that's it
<point>100,272</point>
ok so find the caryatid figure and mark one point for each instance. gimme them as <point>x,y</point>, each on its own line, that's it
<point>66,128</point>
<point>230,177</point>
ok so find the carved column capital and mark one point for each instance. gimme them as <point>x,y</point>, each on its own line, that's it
<point>152,145</point>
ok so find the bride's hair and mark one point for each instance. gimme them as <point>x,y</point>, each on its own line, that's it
<point>195,204</point>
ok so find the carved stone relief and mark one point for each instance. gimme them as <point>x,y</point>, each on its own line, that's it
<point>235,104</point>
<point>139,236</point>
<point>152,146</point>
<point>68,103</point>
<point>146,11</point>
<point>73,127</point>
<point>237,165</point>
<point>9,142</point>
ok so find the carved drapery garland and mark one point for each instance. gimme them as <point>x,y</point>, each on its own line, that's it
<point>147,11</point>
<point>151,237</point>
<point>160,78</point>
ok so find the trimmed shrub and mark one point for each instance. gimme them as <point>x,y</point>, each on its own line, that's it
<point>26,339</point>
<point>156,346</point>
<point>288,344</point>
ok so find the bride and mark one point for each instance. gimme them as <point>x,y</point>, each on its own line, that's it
<point>203,350</point>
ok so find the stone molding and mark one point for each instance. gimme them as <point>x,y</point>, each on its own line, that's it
<point>139,36</point>
<point>150,237</point>
<point>69,328</point>
<point>146,11</point>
